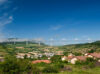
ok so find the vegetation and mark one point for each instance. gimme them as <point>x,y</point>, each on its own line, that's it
<point>12,65</point>
<point>79,49</point>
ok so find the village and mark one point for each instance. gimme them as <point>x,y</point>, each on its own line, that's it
<point>70,58</point>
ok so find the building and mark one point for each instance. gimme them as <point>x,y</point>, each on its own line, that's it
<point>73,59</point>
<point>20,55</point>
<point>20,47</point>
<point>49,54</point>
<point>59,53</point>
<point>41,61</point>
<point>64,58</point>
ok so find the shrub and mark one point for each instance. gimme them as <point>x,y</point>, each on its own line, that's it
<point>59,66</point>
<point>90,60</point>
<point>50,69</point>
<point>91,51</point>
<point>56,59</point>
<point>11,65</point>
<point>78,63</point>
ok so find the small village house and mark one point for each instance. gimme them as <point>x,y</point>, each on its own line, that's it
<point>20,55</point>
<point>59,53</point>
<point>73,59</point>
<point>64,58</point>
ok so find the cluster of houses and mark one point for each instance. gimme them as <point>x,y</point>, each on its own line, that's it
<point>37,54</point>
<point>34,55</point>
<point>73,59</point>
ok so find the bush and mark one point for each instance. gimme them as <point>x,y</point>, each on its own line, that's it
<point>50,69</point>
<point>91,51</point>
<point>77,54</point>
<point>78,63</point>
<point>56,59</point>
<point>59,66</point>
<point>90,60</point>
<point>11,65</point>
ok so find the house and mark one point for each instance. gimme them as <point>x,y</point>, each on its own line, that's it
<point>73,59</point>
<point>95,55</point>
<point>46,50</point>
<point>20,47</point>
<point>49,54</point>
<point>28,55</point>
<point>70,55</point>
<point>40,61</point>
<point>34,54</point>
<point>49,58</point>
<point>40,55</point>
<point>64,58</point>
<point>69,58</point>
<point>88,55</point>
<point>59,53</point>
<point>20,55</point>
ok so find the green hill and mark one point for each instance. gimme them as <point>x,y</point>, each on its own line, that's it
<point>82,48</point>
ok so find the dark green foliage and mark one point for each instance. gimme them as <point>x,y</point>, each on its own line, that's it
<point>91,51</point>
<point>11,65</point>
<point>66,53</point>
<point>50,69</point>
<point>90,60</point>
<point>77,54</point>
<point>78,63</point>
<point>59,65</point>
<point>56,59</point>
<point>89,63</point>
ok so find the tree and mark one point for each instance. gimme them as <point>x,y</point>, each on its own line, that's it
<point>10,65</point>
<point>56,59</point>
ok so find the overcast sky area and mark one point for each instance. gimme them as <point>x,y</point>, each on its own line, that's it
<point>50,19</point>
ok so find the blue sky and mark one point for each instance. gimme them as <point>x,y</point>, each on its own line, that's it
<point>47,19</point>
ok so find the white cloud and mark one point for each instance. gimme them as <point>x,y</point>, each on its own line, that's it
<point>3,1</point>
<point>5,20</point>
<point>5,16</point>
<point>76,39</point>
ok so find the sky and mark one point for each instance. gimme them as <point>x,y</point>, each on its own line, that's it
<point>50,19</point>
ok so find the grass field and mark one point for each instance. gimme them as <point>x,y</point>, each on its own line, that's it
<point>79,71</point>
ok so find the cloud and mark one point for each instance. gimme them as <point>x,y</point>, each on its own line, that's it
<point>5,20</point>
<point>57,27</point>
<point>76,39</point>
<point>3,1</point>
<point>6,17</point>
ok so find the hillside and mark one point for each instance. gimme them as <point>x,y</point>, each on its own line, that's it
<point>81,48</point>
<point>20,47</point>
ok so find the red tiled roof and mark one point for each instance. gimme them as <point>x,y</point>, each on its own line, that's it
<point>81,58</point>
<point>70,57</point>
<point>39,61</point>
<point>97,55</point>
